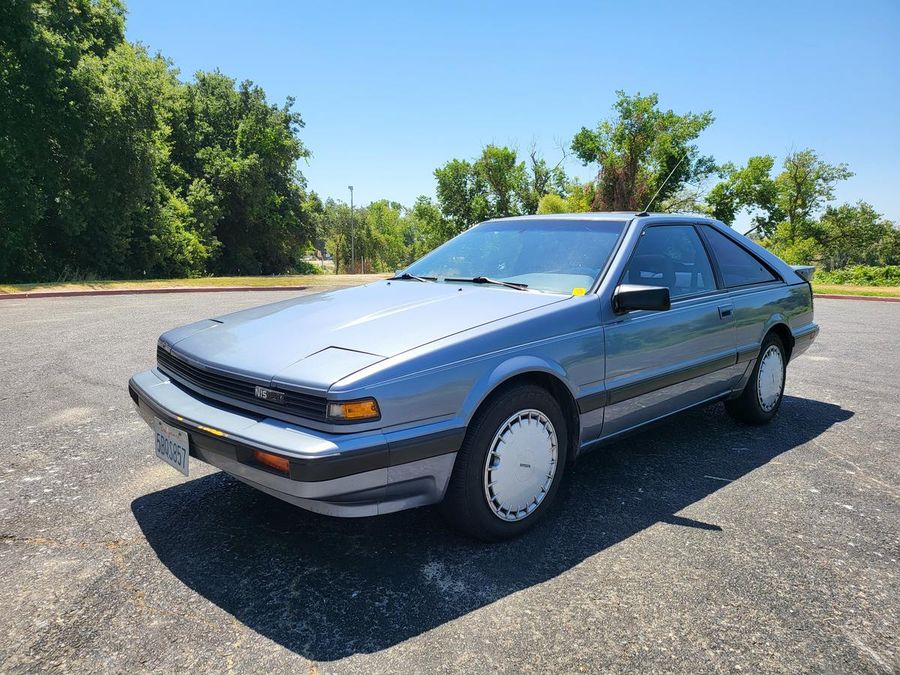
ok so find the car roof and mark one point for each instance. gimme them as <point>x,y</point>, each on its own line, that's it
<point>612,215</point>
<point>590,215</point>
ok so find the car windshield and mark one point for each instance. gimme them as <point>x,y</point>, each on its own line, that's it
<point>554,256</point>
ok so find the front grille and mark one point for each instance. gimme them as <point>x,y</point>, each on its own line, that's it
<point>302,405</point>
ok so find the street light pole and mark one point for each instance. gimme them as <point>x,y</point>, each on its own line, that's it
<point>352,237</point>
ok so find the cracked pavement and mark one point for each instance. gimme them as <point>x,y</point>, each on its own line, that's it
<point>699,545</point>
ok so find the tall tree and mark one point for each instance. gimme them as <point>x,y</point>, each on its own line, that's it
<point>505,180</point>
<point>112,167</point>
<point>336,225</point>
<point>495,185</point>
<point>461,194</point>
<point>229,142</point>
<point>46,111</point>
<point>543,181</point>
<point>804,186</point>
<point>749,188</point>
<point>856,234</point>
<point>425,227</point>
<point>641,152</point>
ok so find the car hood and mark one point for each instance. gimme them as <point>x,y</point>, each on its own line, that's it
<point>315,340</point>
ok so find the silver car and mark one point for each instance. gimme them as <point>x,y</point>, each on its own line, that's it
<point>477,376</point>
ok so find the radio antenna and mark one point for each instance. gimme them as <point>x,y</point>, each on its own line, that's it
<point>650,203</point>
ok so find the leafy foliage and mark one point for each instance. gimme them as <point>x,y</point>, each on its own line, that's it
<point>750,188</point>
<point>861,275</point>
<point>846,235</point>
<point>495,185</point>
<point>787,212</point>
<point>235,157</point>
<point>804,186</point>
<point>643,153</point>
<point>381,237</point>
<point>113,168</point>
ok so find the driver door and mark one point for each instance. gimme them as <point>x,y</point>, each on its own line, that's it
<point>659,362</point>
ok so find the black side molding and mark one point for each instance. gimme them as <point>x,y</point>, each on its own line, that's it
<point>747,354</point>
<point>425,447</point>
<point>633,390</point>
<point>593,402</point>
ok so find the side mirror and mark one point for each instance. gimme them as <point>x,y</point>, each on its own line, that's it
<point>631,296</point>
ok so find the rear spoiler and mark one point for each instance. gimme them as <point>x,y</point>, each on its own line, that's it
<point>805,271</point>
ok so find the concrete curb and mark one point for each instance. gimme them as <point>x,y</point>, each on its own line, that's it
<point>146,291</point>
<point>868,298</point>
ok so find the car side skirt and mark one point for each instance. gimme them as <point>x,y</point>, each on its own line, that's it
<point>603,440</point>
<point>626,392</point>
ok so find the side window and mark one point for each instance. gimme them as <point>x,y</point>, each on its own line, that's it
<point>671,256</point>
<point>738,267</point>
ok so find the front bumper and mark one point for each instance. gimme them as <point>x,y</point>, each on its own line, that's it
<point>354,474</point>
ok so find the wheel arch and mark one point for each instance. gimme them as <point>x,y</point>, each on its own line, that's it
<point>526,370</point>
<point>781,329</point>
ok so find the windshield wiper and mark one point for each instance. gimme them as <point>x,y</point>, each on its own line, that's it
<point>488,280</point>
<point>406,276</point>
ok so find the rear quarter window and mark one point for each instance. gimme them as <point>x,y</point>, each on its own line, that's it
<point>738,267</point>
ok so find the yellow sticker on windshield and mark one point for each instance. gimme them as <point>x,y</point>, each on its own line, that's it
<point>579,291</point>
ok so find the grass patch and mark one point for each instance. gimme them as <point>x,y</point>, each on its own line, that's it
<point>846,289</point>
<point>202,282</point>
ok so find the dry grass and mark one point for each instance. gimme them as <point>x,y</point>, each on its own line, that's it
<point>203,282</point>
<point>877,291</point>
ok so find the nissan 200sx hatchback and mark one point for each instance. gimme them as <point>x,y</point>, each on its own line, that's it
<point>477,375</point>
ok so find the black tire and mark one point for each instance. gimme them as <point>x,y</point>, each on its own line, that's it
<point>747,407</point>
<point>466,505</point>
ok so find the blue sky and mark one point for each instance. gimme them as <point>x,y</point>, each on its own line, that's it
<point>390,91</point>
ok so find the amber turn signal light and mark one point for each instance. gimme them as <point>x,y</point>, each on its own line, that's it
<point>276,462</point>
<point>354,411</point>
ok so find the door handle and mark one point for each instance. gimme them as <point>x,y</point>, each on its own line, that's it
<point>725,311</point>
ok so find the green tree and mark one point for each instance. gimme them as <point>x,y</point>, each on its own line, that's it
<point>112,167</point>
<point>45,117</point>
<point>461,195</point>
<point>783,208</point>
<point>241,152</point>
<point>553,203</point>
<point>129,221</point>
<point>496,185</point>
<point>855,234</point>
<point>504,178</point>
<point>749,188</point>
<point>577,197</point>
<point>383,245</point>
<point>424,228</point>
<point>336,226</point>
<point>641,152</point>
<point>543,181</point>
<point>804,186</point>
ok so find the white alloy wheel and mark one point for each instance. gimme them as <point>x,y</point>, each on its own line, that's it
<point>520,465</point>
<point>770,378</point>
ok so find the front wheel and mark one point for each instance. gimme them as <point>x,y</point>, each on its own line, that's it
<point>762,396</point>
<point>509,467</point>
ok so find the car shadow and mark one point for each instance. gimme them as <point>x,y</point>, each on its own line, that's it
<point>328,588</point>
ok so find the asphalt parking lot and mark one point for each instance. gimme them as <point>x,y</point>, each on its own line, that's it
<point>700,545</point>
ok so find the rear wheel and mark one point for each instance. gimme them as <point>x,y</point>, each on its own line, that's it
<point>762,396</point>
<point>510,465</point>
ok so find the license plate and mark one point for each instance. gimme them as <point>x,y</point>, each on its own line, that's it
<point>172,446</point>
